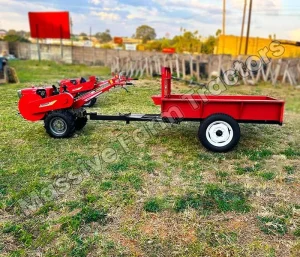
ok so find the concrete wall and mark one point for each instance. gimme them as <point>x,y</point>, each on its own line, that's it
<point>200,66</point>
<point>4,47</point>
<point>90,56</point>
<point>52,52</point>
<point>20,50</point>
<point>75,54</point>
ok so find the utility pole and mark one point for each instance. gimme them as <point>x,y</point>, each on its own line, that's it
<point>224,25</point>
<point>248,28</point>
<point>91,33</point>
<point>224,16</point>
<point>243,25</point>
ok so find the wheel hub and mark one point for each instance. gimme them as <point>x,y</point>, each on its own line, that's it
<point>58,126</point>
<point>219,133</point>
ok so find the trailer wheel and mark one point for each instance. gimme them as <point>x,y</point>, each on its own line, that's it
<point>80,123</point>
<point>219,133</point>
<point>90,103</point>
<point>60,124</point>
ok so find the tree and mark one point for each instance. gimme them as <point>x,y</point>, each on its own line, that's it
<point>187,42</point>
<point>218,33</point>
<point>82,34</point>
<point>104,37</point>
<point>23,33</point>
<point>11,32</point>
<point>15,38</point>
<point>154,45</point>
<point>106,46</point>
<point>74,37</point>
<point>209,45</point>
<point>159,45</point>
<point>145,33</point>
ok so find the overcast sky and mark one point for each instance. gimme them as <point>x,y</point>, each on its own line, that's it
<point>280,17</point>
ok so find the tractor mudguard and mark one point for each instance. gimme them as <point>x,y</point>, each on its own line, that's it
<point>33,107</point>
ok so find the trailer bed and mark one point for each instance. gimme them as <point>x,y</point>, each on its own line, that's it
<point>251,109</point>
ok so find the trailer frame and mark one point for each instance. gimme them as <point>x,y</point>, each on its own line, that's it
<point>129,117</point>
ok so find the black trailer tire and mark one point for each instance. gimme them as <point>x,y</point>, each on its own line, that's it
<point>90,103</point>
<point>80,123</point>
<point>60,124</point>
<point>219,133</point>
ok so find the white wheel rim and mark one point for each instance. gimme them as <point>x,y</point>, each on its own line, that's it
<point>219,133</point>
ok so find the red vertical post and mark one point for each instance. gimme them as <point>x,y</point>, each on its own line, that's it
<point>165,82</point>
<point>168,82</point>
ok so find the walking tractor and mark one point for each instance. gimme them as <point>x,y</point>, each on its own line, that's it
<point>219,116</point>
<point>75,87</point>
<point>80,86</point>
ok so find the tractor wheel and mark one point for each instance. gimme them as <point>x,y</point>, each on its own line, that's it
<point>80,123</point>
<point>60,124</point>
<point>90,103</point>
<point>219,133</point>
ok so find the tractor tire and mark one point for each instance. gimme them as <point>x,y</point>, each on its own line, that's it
<point>60,124</point>
<point>80,123</point>
<point>90,103</point>
<point>219,133</point>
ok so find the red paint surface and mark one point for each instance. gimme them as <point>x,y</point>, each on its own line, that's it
<point>49,25</point>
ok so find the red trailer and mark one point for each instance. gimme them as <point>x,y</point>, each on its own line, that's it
<point>219,115</point>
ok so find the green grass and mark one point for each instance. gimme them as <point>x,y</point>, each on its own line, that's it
<point>216,238</point>
<point>290,169</point>
<point>292,152</point>
<point>19,233</point>
<point>297,232</point>
<point>272,225</point>
<point>51,72</point>
<point>153,205</point>
<point>215,198</point>
<point>164,195</point>
<point>256,155</point>
<point>267,175</point>
<point>248,169</point>
<point>85,216</point>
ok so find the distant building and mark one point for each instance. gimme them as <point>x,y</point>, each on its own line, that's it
<point>127,40</point>
<point>2,33</point>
